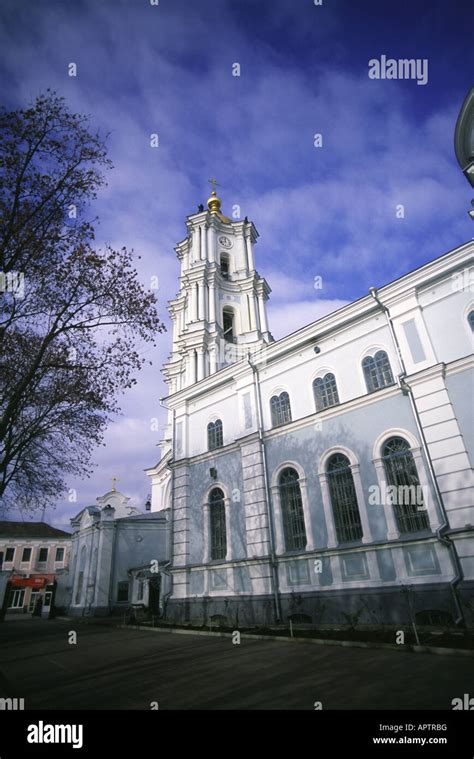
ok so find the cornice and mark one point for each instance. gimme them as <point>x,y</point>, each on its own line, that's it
<point>359,310</point>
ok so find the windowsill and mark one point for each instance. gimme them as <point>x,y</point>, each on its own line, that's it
<point>350,543</point>
<point>424,533</point>
<point>376,389</point>
<point>294,552</point>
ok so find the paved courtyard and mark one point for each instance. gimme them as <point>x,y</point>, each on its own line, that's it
<point>111,668</point>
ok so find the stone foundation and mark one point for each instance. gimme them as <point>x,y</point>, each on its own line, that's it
<point>375,607</point>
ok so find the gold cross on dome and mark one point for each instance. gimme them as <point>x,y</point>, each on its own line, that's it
<point>214,184</point>
<point>114,480</point>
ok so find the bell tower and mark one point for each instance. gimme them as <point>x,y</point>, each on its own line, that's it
<point>219,314</point>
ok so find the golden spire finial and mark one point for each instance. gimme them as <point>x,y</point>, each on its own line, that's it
<point>114,480</point>
<point>214,203</point>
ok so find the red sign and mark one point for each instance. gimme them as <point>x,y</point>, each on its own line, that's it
<point>36,581</point>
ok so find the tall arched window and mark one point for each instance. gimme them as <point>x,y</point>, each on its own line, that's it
<point>217,527</point>
<point>325,391</point>
<point>377,371</point>
<point>343,499</point>
<point>280,408</point>
<point>224,266</point>
<point>407,496</point>
<point>292,510</point>
<point>470,319</point>
<point>228,325</point>
<point>215,437</point>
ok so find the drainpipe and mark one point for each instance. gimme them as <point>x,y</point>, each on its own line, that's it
<point>271,529</point>
<point>169,564</point>
<point>445,526</point>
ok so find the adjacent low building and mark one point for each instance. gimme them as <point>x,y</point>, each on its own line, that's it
<point>34,560</point>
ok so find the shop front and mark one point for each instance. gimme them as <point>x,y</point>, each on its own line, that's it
<point>31,595</point>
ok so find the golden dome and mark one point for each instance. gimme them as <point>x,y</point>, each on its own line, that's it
<point>214,203</point>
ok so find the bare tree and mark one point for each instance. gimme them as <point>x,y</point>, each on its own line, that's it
<point>71,314</point>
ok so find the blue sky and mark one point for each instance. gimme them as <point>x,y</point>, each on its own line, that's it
<point>325,211</point>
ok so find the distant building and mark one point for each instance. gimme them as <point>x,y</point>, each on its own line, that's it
<point>119,558</point>
<point>34,560</point>
<point>328,473</point>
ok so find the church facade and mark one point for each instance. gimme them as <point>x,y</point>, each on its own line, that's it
<point>119,559</point>
<point>325,476</point>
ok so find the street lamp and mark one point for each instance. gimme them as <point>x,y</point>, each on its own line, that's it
<point>464,140</point>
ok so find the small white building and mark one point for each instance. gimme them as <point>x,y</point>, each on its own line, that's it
<point>119,558</point>
<point>324,473</point>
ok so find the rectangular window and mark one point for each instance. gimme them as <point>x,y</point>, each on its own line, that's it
<point>140,590</point>
<point>16,599</point>
<point>26,556</point>
<point>225,267</point>
<point>122,592</point>
<point>297,573</point>
<point>59,555</point>
<point>43,555</point>
<point>354,567</point>
<point>9,554</point>
<point>218,579</point>
<point>421,560</point>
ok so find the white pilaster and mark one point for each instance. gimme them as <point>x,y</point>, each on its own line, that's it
<point>203,243</point>
<point>262,313</point>
<point>200,363</point>
<point>328,515</point>
<point>392,528</point>
<point>248,244</point>
<point>212,302</point>
<point>201,312</point>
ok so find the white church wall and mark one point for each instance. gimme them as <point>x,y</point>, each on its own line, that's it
<point>445,305</point>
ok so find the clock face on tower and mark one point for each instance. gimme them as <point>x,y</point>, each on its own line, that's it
<point>225,242</point>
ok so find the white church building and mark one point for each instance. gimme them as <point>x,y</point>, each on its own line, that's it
<point>329,472</point>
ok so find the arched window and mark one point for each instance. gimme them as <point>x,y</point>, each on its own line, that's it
<point>377,371</point>
<point>292,510</point>
<point>325,392</point>
<point>228,325</point>
<point>280,408</point>
<point>224,266</point>
<point>343,499</point>
<point>470,319</point>
<point>407,494</point>
<point>217,524</point>
<point>215,437</point>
